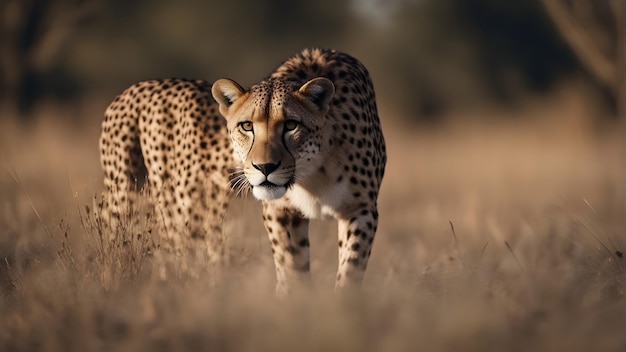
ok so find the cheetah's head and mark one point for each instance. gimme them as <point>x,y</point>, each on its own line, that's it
<point>276,130</point>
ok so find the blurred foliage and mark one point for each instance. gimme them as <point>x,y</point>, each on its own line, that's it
<point>596,32</point>
<point>425,56</point>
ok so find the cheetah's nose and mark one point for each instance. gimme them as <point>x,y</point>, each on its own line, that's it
<point>266,168</point>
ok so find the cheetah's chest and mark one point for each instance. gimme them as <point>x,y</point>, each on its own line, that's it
<point>318,201</point>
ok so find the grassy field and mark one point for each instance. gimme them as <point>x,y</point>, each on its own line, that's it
<point>493,237</point>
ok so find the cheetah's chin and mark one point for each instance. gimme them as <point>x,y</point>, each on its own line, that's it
<point>268,191</point>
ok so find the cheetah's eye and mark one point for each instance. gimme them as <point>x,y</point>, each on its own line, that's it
<point>291,125</point>
<point>246,126</point>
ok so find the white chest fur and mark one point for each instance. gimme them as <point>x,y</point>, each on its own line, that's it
<point>318,201</point>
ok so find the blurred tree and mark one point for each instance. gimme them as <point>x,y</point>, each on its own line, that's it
<point>32,33</point>
<point>424,55</point>
<point>517,49</point>
<point>204,39</point>
<point>443,54</point>
<point>595,32</point>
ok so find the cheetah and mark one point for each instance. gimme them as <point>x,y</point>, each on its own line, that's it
<point>170,133</point>
<point>306,142</point>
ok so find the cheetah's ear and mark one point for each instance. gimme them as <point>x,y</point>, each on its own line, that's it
<point>318,91</point>
<point>226,92</point>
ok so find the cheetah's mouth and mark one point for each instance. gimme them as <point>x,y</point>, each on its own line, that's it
<point>266,190</point>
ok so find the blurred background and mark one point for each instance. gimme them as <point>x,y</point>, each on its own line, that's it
<point>428,58</point>
<point>502,209</point>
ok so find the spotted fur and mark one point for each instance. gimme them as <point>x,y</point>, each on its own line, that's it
<point>306,141</point>
<point>170,133</point>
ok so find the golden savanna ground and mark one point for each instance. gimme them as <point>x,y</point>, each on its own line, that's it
<point>502,236</point>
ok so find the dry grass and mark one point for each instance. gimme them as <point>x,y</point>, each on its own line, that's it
<point>491,238</point>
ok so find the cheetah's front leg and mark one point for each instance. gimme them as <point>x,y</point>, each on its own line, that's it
<point>356,234</point>
<point>288,233</point>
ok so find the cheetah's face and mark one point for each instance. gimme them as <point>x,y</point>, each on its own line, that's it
<point>275,129</point>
